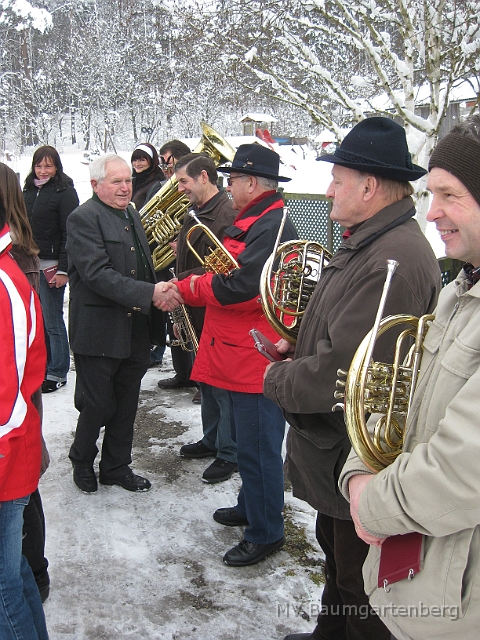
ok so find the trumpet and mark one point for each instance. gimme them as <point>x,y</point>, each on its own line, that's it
<point>386,389</point>
<point>286,291</point>
<point>218,260</point>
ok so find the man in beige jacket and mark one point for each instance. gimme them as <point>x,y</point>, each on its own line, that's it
<point>432,490</point>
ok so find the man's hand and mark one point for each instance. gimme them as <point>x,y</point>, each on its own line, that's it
<point>173,246</point>
<point>356,485</point>
<point>192,283</point>
<point>283,346</point>
<point>166,296</point>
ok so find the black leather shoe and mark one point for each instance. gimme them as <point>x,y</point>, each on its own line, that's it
<point>219,471</point>
<point>230,517</point>
<point>247,553</point>
<point>197,450</point>
<point>175,383</point>
<point>130,482</point>
<point>299,636</point>
<point>197,398</point>
<point>85,478</point>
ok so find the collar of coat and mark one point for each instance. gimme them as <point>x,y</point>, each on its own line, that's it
<point>386,219</point>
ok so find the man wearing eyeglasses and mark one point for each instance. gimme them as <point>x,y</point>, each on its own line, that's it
<point>169,154</point>
<point>227,358</point>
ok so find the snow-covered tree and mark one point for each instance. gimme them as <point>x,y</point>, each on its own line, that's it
<point>341,60</point>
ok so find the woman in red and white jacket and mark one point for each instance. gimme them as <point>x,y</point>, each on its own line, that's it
<point>22,367</point>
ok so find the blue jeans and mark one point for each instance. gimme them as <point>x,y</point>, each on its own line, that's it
<point>21,611</point>
<point>56,337</point>
<point>216,422</point>
<point>259,429</point>
<point>156,354</point>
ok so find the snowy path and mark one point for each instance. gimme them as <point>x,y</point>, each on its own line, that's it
<point>149,566</point>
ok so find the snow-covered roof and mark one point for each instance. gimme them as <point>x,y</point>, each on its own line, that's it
<point>464,90</point>
<point>258,117</point>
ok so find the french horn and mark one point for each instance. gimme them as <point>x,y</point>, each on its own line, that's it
<point>162,216</point>
<point>379,388</point>
<point>288,280</point>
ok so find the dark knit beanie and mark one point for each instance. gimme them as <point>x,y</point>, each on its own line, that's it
<point>460,155</point>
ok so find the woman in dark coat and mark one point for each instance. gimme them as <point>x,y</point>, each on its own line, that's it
<point>50,197</point>
<point>146,172</point>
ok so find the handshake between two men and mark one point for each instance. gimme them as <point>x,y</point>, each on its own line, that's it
<point>166,296</point>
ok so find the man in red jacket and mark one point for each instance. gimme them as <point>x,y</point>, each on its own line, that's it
<point>22,368</point>
<point>228,359</point>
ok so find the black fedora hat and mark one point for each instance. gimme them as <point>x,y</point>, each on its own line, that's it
<point>378,146</point>
<point>255,160</point>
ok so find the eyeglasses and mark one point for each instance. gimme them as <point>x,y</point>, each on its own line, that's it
<point>165,162</point>
<point>230,180</point>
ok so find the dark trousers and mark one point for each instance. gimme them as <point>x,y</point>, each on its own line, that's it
<point>345,612</point>
<point>33,543</point>
<point>106,394</point>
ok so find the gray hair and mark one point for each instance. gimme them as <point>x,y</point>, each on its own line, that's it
<point>267,183</point>
<point>98,168</point>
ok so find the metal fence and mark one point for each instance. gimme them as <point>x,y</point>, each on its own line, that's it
<point>310,213</point>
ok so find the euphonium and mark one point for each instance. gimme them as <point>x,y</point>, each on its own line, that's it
<point>378,388</point>
<point>285,292</point>
<point>218,260</point>
<point>186,335</point>
<point>162,215</point>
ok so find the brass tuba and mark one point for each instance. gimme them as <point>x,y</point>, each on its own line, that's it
<point>386,389</point>
<point>285,292</point>
<point>162,216</point>
<point>219,260</point>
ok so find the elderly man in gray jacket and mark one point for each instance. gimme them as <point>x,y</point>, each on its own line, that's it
<point>425,507</point>
<point>371,191</point>
<point>112,289</point>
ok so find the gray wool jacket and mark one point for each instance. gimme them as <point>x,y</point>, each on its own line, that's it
<point>340,313</point>
<point>104,290</point>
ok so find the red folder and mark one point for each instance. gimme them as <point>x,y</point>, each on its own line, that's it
<point>400,559</point>
<point>49,274</point>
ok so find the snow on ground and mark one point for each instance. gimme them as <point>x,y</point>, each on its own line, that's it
<point>149,566</point>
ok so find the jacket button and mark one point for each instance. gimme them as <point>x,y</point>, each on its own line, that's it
<point>132,248</point>
<point>137,308</point>
<point>132,272</point>
<point>129,315</point>
<point>127,228</point>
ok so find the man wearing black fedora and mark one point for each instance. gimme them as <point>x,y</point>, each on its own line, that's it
<point>227,358</point>
<point>371,199</point>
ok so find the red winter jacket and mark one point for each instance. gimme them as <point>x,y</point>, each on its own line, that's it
<point>22,369</point>
<point>226,356</point>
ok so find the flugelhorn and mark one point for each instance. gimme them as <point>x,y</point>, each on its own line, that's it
<point>286,290</point>
<point>379,388</point>
<point>186,337</point>
<point>218,260</point>
<point>162,216</point>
